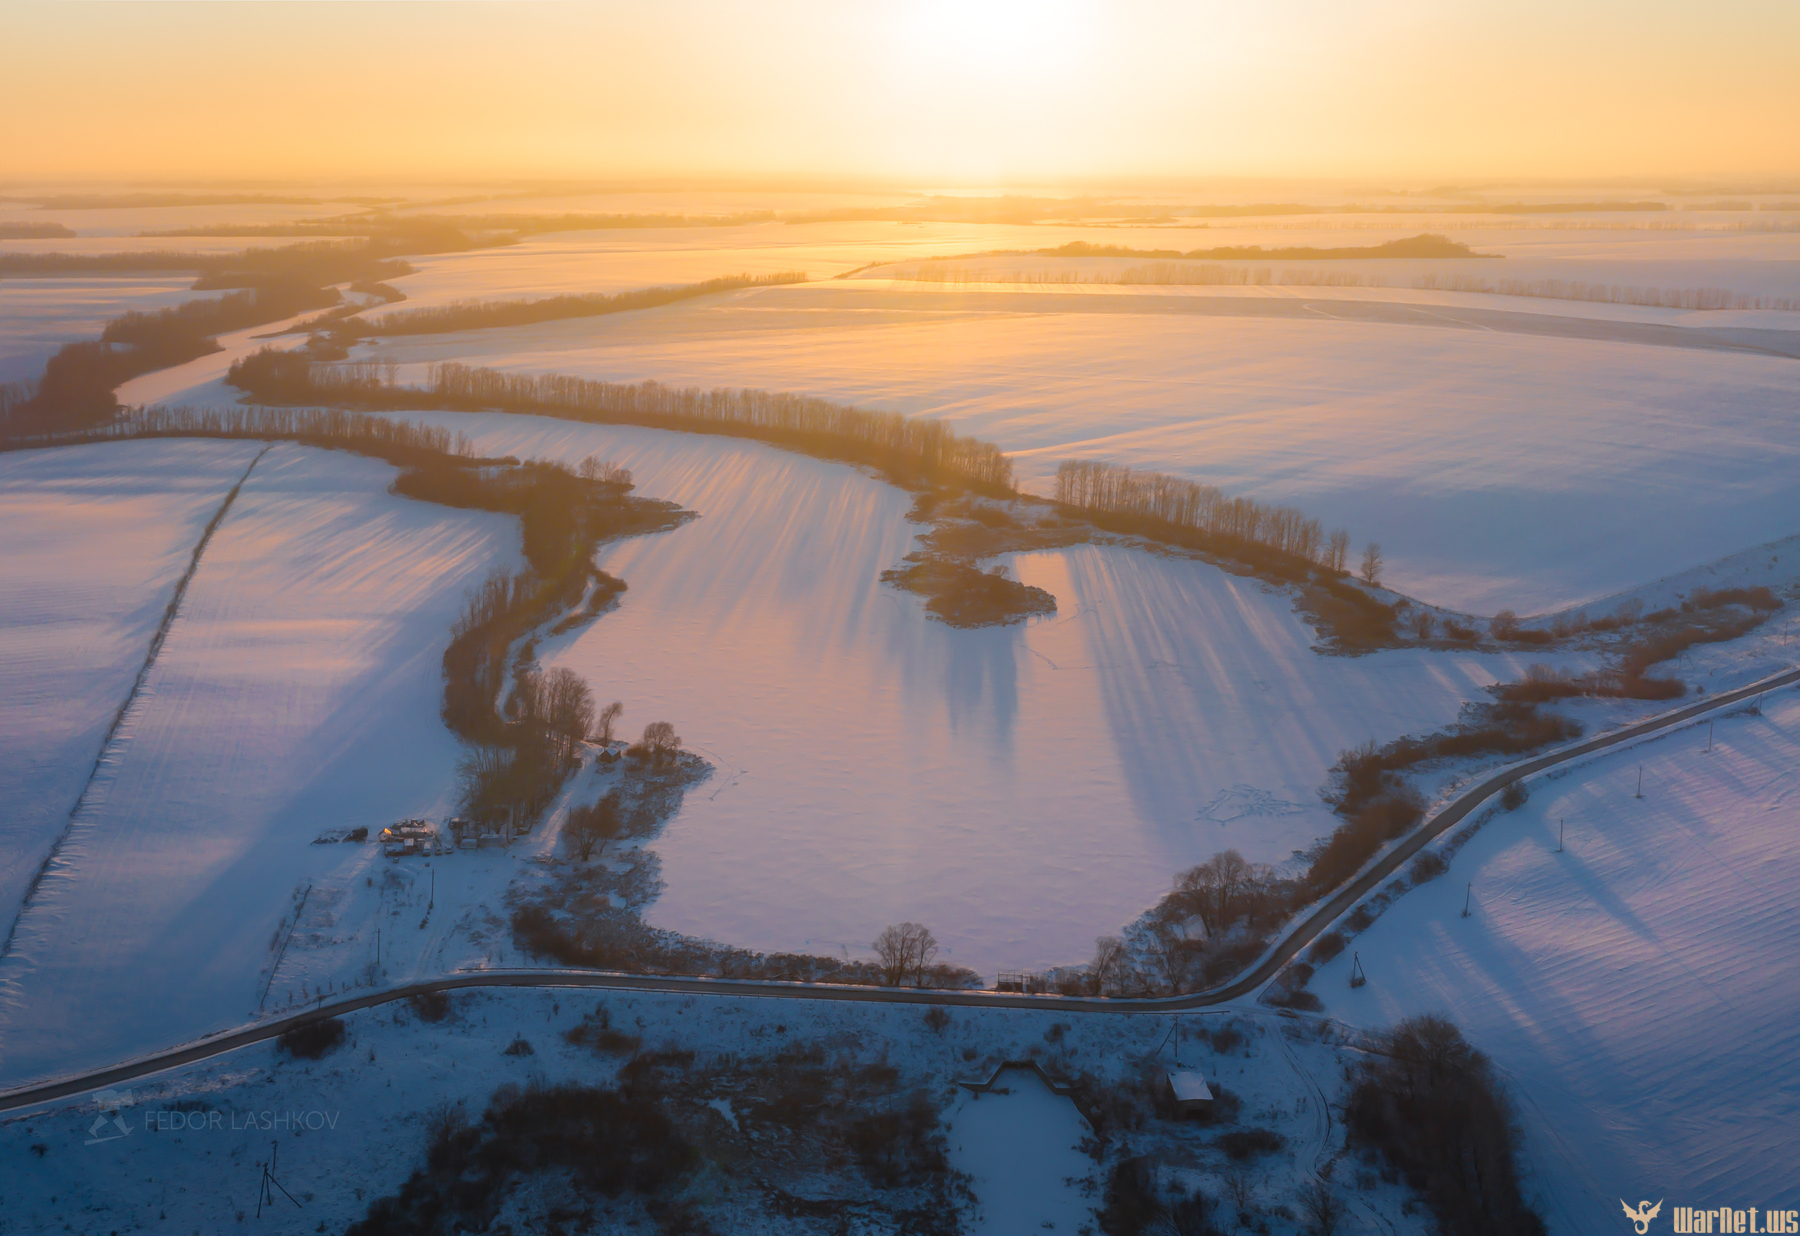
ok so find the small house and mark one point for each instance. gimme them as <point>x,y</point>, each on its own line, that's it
<point>1193,1097</point>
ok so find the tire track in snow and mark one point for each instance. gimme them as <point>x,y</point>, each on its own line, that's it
<point>112,731</point>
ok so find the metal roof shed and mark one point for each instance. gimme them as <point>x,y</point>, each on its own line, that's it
<point>1192,1095</point>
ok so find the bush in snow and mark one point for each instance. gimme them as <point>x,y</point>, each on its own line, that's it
<point>313,1039</point>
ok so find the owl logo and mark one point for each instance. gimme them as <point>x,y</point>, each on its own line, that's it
<point>1642,1215</point>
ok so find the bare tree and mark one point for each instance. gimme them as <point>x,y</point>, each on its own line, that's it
<point>590,828</point>
<point>482,775</point>
<point>1214,889</point>
<point>609,717</point>
<point>568,708</point>
<point>660,741</point>
<point>1337,550</point>
<point>594,468</point>
<point>526,703</point>
<point>1371,564</point>
<point>904,950</point>
<point>1109,959</point>
<point>1239,1188</point>
<point>1504,625</point>
<point>1165,951</point>
<point>1422,624</point>
<point>1322,1206</point>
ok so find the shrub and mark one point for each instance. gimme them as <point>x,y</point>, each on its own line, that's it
<point>609,1142</point>
<point>311,1040</point>
<point>520,1046</point>
<point>1514,795</point>
<point>1291,998</point>
<point>1326,947</point>
<point>1245,1144</point>
<point>431,1006</point>
<point>1429,865</point>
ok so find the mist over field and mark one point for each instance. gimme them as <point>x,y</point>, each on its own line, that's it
<point>902,618</point>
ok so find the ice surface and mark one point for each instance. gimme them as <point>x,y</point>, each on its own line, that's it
<point>1640,990</point>
<point>1019,790</point>
<point>1023,1149</point>
<point>92,542</point>
<point>298,690</point>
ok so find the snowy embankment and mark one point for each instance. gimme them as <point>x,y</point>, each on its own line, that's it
<point>95,538</point>
<point>1498,470</point>
<point>1020,790</point>
<point>297,691</point>
<point>1640,987</point>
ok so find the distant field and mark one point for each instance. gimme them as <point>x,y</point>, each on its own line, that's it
<point>1497,469</point>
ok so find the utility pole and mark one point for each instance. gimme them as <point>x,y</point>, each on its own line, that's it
<point>1640,789</point>
<point>1709,732</point>
<point>1559,834</point>
<point>1468,893</point>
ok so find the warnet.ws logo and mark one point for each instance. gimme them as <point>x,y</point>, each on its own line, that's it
<point>112,1104</point>
<point>1701,1221</point>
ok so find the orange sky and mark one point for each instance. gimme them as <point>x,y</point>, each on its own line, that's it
<point>949,91</point>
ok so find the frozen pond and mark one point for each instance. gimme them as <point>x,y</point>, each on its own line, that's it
<point>1021,1142</point>
<point>1020,790</point>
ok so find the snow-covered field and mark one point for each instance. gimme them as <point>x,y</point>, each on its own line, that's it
<point>1497,469</point>
<point>94,540</point>
<point>191,1158</point>
<point>1640,988</point>
<point>875,766</point>
<point>297,691</point>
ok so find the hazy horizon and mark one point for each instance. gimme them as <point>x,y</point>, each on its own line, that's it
<point>971,95</point>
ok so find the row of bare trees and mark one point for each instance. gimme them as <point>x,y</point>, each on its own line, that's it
<point>1096,486</point>
<point>924,448</point>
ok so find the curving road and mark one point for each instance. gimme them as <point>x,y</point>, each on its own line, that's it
<point>1297,938</point>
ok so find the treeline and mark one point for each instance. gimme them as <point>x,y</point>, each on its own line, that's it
<point>1424,245</point>
<point>514,225</point>
<point>79,379</point>
<point>267,285</point>
<point>488,314</point>
<point>1095,486</point>
<point>524,742</point>
<point>318,263</point>
<point>911,451</point>
<point>34,231</point>
<point>1434,1108</point>
<point>1278,543</point>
